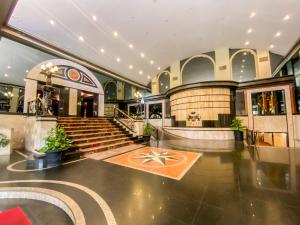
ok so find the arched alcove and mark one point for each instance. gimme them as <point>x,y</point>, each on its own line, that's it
<point>110,90</point>
<point>198,68</point>
<point>76,80</point>
<point>164,81</point>
<point>243,65</point>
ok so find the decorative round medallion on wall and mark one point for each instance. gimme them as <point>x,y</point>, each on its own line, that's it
<point>73,75</point>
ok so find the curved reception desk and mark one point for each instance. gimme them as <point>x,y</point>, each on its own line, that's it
<point>205,104</point>
<point>203,110</point>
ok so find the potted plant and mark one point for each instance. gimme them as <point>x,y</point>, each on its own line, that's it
<point>4,142</point>
<point>238,128</point>
<point>147,132</point>
<point>55,143</point>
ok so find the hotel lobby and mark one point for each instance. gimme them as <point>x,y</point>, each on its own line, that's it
<point>149,112</point>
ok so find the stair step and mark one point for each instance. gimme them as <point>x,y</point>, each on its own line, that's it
<point>92,130</point>
<point>101,143</point>
<point>84,123</point>
<point>89,127</point>
<point>98,138</point>
<point>86,135</point>
<point>105,147</point>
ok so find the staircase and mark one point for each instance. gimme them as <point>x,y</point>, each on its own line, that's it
<point>91,135</point>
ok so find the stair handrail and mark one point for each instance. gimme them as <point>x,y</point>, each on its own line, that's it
<point>131,120</point>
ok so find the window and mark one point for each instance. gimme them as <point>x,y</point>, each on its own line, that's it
<point>155,111</point>
<point>268,103</point>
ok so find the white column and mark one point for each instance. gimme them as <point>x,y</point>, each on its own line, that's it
<point>100,105</point>
<point>73,102</point>
<point>30,92</point>
<point>13,103</point>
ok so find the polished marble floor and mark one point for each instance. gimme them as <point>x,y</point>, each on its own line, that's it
<point>241,187</point>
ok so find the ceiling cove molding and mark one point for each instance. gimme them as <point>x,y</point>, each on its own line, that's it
<point>23,38</point>
<point>289,55</point>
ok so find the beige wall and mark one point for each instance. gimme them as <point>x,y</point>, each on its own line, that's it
<point>175,74</point>
<point>17,123</point>
<point>222,71</point>
<point>264,65</point>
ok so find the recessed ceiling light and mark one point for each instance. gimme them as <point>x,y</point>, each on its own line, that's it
<point>166,87</point>
<point>247,43</point>
<point>148,77</point>
<point>277,34</point>
<point>52,22</point>
<point>81,38</point>
<point>151,62</point>
<point>249,31</point>
<point>242,66</point>
<point>244,60</point>
<point>27,71</point>
<point>161,84</point>
<point>118,59</point>
<point>6,75</point>
<point>140,72</point>
<point>8,67</point>
<point>242,71</point>
<point>142,55</point>
<point>130,67</point>
<point>158,68</point>
<point>24,79</point>
<point>287,17</point>
<point>271,46</point>
<point>115,33</point>
<point>102,50</point>
<point>130,46</point>
<point>245,53</point>
<point>94,18</point>
<point>253,14</point>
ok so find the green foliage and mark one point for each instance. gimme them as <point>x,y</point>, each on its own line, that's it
<point>57,140</point>
<point>4,141</point>
<point>147,129</point>
<point>236,124</point>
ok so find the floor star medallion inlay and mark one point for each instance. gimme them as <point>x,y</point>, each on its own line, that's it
<point>164,162</point>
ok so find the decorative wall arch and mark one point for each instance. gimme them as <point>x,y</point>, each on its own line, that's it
<point>70,75</point>
<point>194,57</point>
<point>158,79</point>
<point>240,51</point>
<point>107,84</point>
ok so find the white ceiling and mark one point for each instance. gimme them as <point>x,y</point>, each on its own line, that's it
<point>164,30</point>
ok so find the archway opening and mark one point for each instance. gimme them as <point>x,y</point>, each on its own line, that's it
<point>198,69</point>
<point>164,82</point>
<point>243,66</point>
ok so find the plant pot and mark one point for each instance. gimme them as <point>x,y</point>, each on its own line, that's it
<point>146,138</point>
<point>53,158</point>
<point>238,135</point>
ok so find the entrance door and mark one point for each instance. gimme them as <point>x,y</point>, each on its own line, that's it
<point>88,105</point>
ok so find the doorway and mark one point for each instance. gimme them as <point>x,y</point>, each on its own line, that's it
<point>87,106</point>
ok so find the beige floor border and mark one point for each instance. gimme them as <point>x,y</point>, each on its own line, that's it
<point>60,200</point>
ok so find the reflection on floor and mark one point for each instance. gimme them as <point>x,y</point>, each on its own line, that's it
<point>164,162</point>
<point>242,187</point>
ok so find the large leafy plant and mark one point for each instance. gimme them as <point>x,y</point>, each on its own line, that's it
<point>236,124</point>
<point>4,141</point>
<point>147,129</point>
<point>57,140</point>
